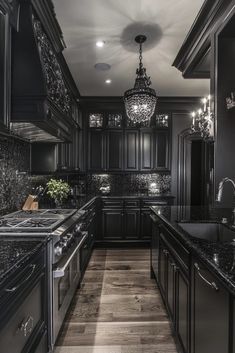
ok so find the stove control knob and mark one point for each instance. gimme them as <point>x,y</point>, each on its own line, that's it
<point>58,250</point>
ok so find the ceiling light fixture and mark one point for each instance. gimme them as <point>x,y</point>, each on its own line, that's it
<point>108,81</point>
<point>140,101</point>
<point>100,43</point>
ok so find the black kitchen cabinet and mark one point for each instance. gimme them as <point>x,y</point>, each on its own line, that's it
<point>154,246</point>
<point>5,64</point>
<point>112,224</point>
<point>182,302</point>
<point>24,309</point>
<point>172,274</point>
<point>114,150</point>
<point>96,150</point>
<point>210,312</point>
<point>145,224</point>
<point>131,223</point>
<point>146,149</point>
<point>161,150</point>
<point>131,162</point>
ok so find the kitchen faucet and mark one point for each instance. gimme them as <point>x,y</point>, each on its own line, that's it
<point>220,192</point>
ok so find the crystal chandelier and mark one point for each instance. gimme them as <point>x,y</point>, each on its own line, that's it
<point>140,101</point>
<point>203,120</point>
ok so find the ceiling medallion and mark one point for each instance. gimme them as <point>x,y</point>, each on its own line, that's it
<point>203,120</point>
<point>140,101</point>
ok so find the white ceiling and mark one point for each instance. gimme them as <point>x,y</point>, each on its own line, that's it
<point>117,22</point>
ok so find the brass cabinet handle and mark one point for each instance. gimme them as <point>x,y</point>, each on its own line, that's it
<point>26,326</point>
<point>212,284</point>
<point>13,289</point>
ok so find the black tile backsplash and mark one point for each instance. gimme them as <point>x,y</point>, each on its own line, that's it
<point>14,173</point>
<point>124,184</point>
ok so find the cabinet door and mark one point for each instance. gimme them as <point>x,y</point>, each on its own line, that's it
<point>146,150</point>
<point>161,161</point>
<point>131,224</point>
<point>95,150</point>
<point>171,285</point>
<point>146,225</point>
<point>131,149</point>
<point>163,253</point>
<point>182,310</point>
<point>5,68</point>
<point>114,155</point>
<point>112,224</point>
<point>155,246</point>
<point>210,312</point>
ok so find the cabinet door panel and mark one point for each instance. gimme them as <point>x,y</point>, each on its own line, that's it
<point>210,314</point>
<point>112,224</point>
<point>114,150</point>
<point>171,287</point>
<point>182,304</point>
<point>131,225</point>
<point>162,150</point>
<point>146,224</point>
<point>131,150</point>
<point>96,150</point>
<point>146,150</point>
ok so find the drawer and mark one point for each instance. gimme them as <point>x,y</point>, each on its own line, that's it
<point>179,252</point>
<point>149,203</point>
<point>132,203</point>
<point>113,203</point>
<point>20,328</point>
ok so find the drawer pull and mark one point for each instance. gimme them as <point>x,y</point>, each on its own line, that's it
<point>213,285</point>
<point>13,289</point>
<point>26,326</point>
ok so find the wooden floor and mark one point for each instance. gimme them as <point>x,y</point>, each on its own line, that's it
<point>118,308</point>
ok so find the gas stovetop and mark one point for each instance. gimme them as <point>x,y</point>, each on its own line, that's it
<point>35,221</point>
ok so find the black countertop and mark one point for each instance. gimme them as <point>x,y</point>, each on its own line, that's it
<point>219,256</point>
<point>14,254</point>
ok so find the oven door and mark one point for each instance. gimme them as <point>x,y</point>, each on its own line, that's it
<point>66,276</point>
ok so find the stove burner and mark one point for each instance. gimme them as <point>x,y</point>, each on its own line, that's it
<point>37,223</point>
<point>8,223</point>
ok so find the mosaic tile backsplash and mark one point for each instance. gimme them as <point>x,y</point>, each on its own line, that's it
<point>14,173</point>
<point>124,184</point>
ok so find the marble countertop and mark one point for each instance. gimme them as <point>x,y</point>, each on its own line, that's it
<point>219,256</point>
<point>14,254</point>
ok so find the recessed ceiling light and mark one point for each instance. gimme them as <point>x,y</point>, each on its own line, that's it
<point>108,81</point>
<point>102,66</point>
<point>100,43</point>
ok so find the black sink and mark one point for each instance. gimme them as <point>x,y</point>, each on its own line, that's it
<point>214,232</point>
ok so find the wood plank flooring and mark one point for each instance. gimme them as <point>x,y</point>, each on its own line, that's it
<point>118,308</point>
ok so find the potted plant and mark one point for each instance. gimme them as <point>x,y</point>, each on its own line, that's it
<point>58,190</point>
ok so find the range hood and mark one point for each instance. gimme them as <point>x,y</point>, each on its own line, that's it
<point>41,101</point>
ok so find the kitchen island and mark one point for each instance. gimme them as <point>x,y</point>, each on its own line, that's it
<point>193,263</point>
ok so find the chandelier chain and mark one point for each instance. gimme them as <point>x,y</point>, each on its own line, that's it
<point>140,56</point>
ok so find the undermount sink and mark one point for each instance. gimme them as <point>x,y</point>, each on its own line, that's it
<point>214,232</point>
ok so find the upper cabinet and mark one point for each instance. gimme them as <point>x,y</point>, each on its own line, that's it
<point>115,145</point>
<point>196,53</point>
<point>5,63</point>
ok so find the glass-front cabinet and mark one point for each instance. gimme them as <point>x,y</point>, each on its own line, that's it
<point>5,63</point>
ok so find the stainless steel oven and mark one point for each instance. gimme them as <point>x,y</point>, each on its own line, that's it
<point>66,276</point>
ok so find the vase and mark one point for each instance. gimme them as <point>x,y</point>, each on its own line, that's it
<point>58,203</point>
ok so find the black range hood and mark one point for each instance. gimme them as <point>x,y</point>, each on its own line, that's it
<point>41,101</point>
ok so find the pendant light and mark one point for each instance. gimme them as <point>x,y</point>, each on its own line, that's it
<point>140,101</point>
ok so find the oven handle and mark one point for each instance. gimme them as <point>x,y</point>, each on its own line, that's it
<point>60,271</point>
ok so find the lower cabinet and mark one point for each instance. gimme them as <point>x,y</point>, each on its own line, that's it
<point>210,312</point>
<point>199,306</point>
<point>146,224</point>
<point>112,224</point>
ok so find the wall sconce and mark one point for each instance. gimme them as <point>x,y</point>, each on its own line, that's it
<point>203,120</point>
